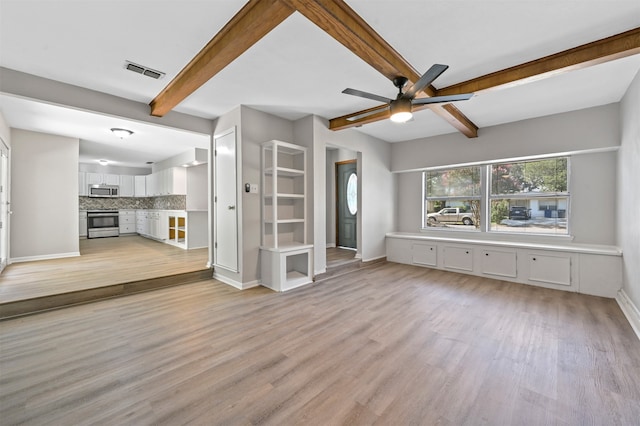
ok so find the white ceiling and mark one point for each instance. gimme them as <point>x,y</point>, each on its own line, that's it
<point>297,69</point>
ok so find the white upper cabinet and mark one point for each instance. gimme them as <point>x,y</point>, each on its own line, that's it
<point>82,184</point>
<point>126,185</point>
<point>171,181</point>
<point>140,186</point>
<point>102,179</point>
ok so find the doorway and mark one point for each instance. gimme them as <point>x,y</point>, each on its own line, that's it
<point>347,204</point>
<point>225,214</point>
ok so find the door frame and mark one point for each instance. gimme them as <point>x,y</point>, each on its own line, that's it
<point>214,202</point>
<point>5,182</point>
<point>335,174</point>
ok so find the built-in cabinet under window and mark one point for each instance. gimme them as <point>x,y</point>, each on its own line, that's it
<point>595,270</point>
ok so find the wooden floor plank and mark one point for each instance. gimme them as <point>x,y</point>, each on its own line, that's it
<point>394,344</point>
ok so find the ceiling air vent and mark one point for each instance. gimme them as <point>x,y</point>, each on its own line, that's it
<point>143,70</point>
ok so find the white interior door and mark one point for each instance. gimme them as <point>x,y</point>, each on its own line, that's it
<point>225,202</point>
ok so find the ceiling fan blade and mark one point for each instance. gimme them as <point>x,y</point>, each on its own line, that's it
<point>368,113</point>
<point>367,95</point>
<point>426,79</point>
<point>442,99</point>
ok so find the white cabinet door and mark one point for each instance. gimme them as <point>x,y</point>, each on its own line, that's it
<point>177,181</point>
<point>458,258</point>
<point>94,178</point>
<point>425,254</point>
<point>111,179</point>
<point>498,262</point>
<point>82,184</point>
<point>552,269</point>
<point>83,223</point>
<point>126,186</point>
<point>150,182</point>
<point>140,187</point>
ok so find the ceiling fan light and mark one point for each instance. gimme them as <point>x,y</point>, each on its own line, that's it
<point>401,110</point>
<point>121,133</point>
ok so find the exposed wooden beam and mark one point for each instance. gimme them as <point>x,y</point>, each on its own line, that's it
<point>255,20</point>
<point>597,52</point>
<point>342,23</point>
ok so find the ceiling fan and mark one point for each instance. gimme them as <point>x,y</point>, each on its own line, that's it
<point>400,107</point>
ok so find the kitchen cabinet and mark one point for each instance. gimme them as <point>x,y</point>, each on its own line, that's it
<point>172,181</point>
<point>140,187</point>
<point>102,179</point>
<point>82,184</point>
<point>83,223</point>
<point>158,228</point>
<point>187,230</point>
<point>126,185</point>
<point>127,221</point>
<point>142,223</point>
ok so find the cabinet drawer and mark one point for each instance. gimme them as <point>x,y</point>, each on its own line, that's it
<point>424,254</point>
<point>126,219</point>
<point>128,228</point>
<point>500,263</point>
<point>458,258</point>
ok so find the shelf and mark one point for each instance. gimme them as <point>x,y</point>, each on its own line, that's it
<point>286,257</point>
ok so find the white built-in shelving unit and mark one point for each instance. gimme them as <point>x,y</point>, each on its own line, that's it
<point>286,255</point>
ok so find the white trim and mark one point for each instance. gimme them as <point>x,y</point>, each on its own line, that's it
<point>45,257</point>
<point>512,159</point>
<point>234,283</point>
<point>373,258</point>
<point>331,245</point>
<point>629,310</point>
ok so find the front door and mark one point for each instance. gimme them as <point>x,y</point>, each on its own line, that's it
<point>225,200</point>
<point>347,203</point>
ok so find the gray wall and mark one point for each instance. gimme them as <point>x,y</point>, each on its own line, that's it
<point>257,127</point>
<point>593,172</point>
<point>628,230</point>
<point>44,179</point>
<point>377,195</point>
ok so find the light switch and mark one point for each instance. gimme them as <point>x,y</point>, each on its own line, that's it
<point>254,188</point>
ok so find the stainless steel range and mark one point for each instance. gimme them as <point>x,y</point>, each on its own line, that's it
<point>102,223</point>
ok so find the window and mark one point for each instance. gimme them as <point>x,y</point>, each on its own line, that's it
<point>517,197</point>
<point>452,198</point>
<point>530,196</point>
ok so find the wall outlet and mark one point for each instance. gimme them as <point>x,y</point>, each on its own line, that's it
<point>254,188</point>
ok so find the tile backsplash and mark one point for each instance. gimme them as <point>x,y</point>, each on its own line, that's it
<point>165,202</point>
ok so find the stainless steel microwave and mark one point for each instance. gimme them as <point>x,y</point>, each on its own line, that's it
<point>104,191</point>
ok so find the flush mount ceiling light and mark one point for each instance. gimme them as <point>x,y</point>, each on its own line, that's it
<point>121,133</point>
<point>103,162</point>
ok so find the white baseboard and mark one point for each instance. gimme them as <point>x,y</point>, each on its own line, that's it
<point>234,283</point>
<point>374,258</point>
<point>331,245</point>
<point>45,257</point>
<point>630,311</point>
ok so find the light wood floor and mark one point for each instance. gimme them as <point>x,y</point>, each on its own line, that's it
<point>102,262</point>
<point>388,345</point>
<point>337,256</point>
